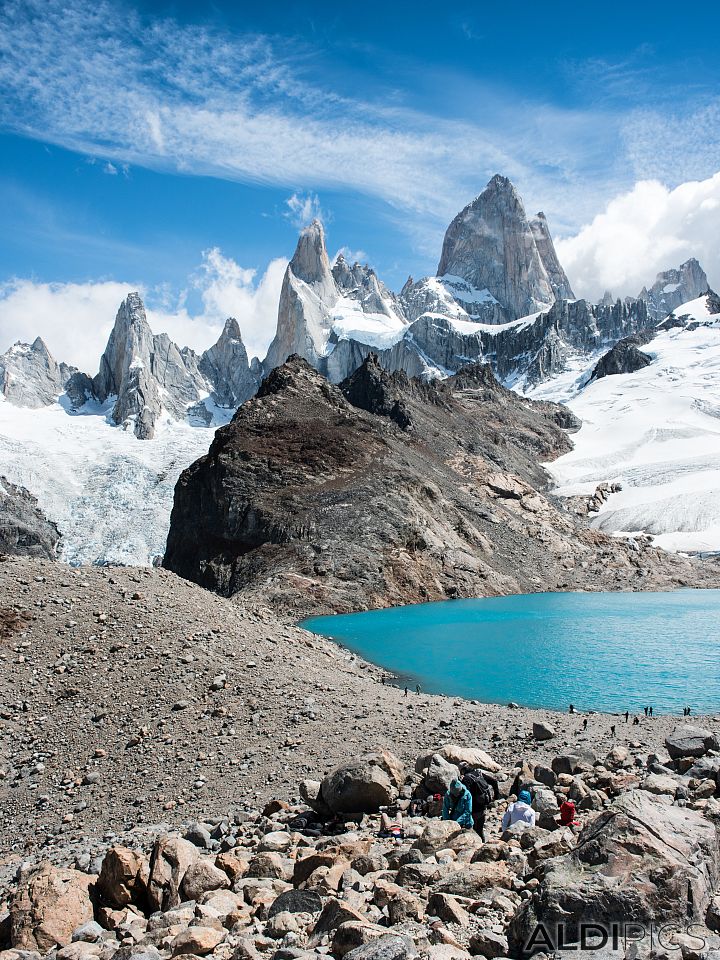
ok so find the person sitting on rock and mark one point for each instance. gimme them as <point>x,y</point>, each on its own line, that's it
<point>457,805</point>
<point>519,812</point>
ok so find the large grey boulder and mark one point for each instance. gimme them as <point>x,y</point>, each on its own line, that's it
<point>689,741</point>
<point>29,375</point>
<point>363,785</point>
<point>491,245</point>
<point>642,859</point>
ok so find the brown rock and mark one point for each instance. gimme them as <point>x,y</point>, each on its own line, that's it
<point>474,879</point>
<point>123,878</point>
<point>447,908</point>
<point>48,906</point>
<point>170,858</point>
<point>201,877</point>
<point>198,941</point>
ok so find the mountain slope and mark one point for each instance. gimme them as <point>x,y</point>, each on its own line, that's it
<point>317,503</point>
<point>656,432</point>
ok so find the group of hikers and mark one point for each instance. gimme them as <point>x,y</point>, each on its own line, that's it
<point>468,799</point>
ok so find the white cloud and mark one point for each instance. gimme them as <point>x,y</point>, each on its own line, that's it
<point>303,208</point>
<point>641,232</point>
<point>75,319</point>
<point>351,256</point>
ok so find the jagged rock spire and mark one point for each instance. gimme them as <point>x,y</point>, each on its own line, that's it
<point>492,246</point>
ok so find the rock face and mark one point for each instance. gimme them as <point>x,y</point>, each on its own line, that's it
<point>320,304</point>
<point>145,372</point>
<point>491,245</point>
<point>625,357</point>
<point>226,367</point>
<point>148,373</point>
<point>546,248</point>
<point>25,531</point>
<point>328,506</point>
<point>673,287</point>
<point>641,858</point>
<point>29,375</point>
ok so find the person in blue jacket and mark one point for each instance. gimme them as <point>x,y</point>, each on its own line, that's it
<point>457,805</point>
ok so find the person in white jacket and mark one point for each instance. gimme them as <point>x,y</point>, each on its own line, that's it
<point>520,812</point>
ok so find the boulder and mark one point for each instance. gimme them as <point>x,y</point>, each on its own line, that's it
<point>170,858</point>
<point>438,774</point>
<point>473,756</point>
<point>197,941</point>
<point>474,879</point>
<point>641,858</point>
<point>333,914</point>
<point>659,784</point>
<point>123,878</point>
<point>487,943</point>
<point>297,901</point>
<point>688,741</point>
<point>200,878</point>
<point>542,730</point>
<point>363,785</point>
<point>387,947</point>
<point>49,905</point>
<point>437,835</point>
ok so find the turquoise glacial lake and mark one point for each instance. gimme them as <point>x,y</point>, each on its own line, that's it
<point>599,651</point>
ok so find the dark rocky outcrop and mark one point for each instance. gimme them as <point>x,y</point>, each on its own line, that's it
<point>321,505</point>
<point>25,531</point>
<point>625,357</point>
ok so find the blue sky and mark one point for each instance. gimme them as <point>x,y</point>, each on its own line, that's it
<point>135,137</point>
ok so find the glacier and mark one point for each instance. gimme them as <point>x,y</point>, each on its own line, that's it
<point>656,432</point>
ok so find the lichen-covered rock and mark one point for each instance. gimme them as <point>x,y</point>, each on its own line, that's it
<point>641,858</point>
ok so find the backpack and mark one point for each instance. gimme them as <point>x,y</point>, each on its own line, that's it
<point>480,789</point>
<point>567,812</point>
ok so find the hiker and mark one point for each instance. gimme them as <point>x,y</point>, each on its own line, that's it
<point>567,814</point>
<point>457,805</point>
<point>382,679</point>
<point>612,730</point>
<point>519,812</point>
<point>636,722</point>
<point>646,710</point>
<point>627,716</point>
<point>650,711</point>
<point>417,688</point>
<point>391,824</point>
<point>484,790</point>
<point>585,724</point>
<point>571,708</point>
<point>405,691</point>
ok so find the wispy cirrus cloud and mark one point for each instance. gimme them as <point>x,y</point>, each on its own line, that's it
<point>101,79</point>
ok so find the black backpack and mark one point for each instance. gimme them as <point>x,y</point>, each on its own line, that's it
<point>480,789</point>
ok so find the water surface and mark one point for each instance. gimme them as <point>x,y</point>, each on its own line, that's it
<point>599,651</point>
